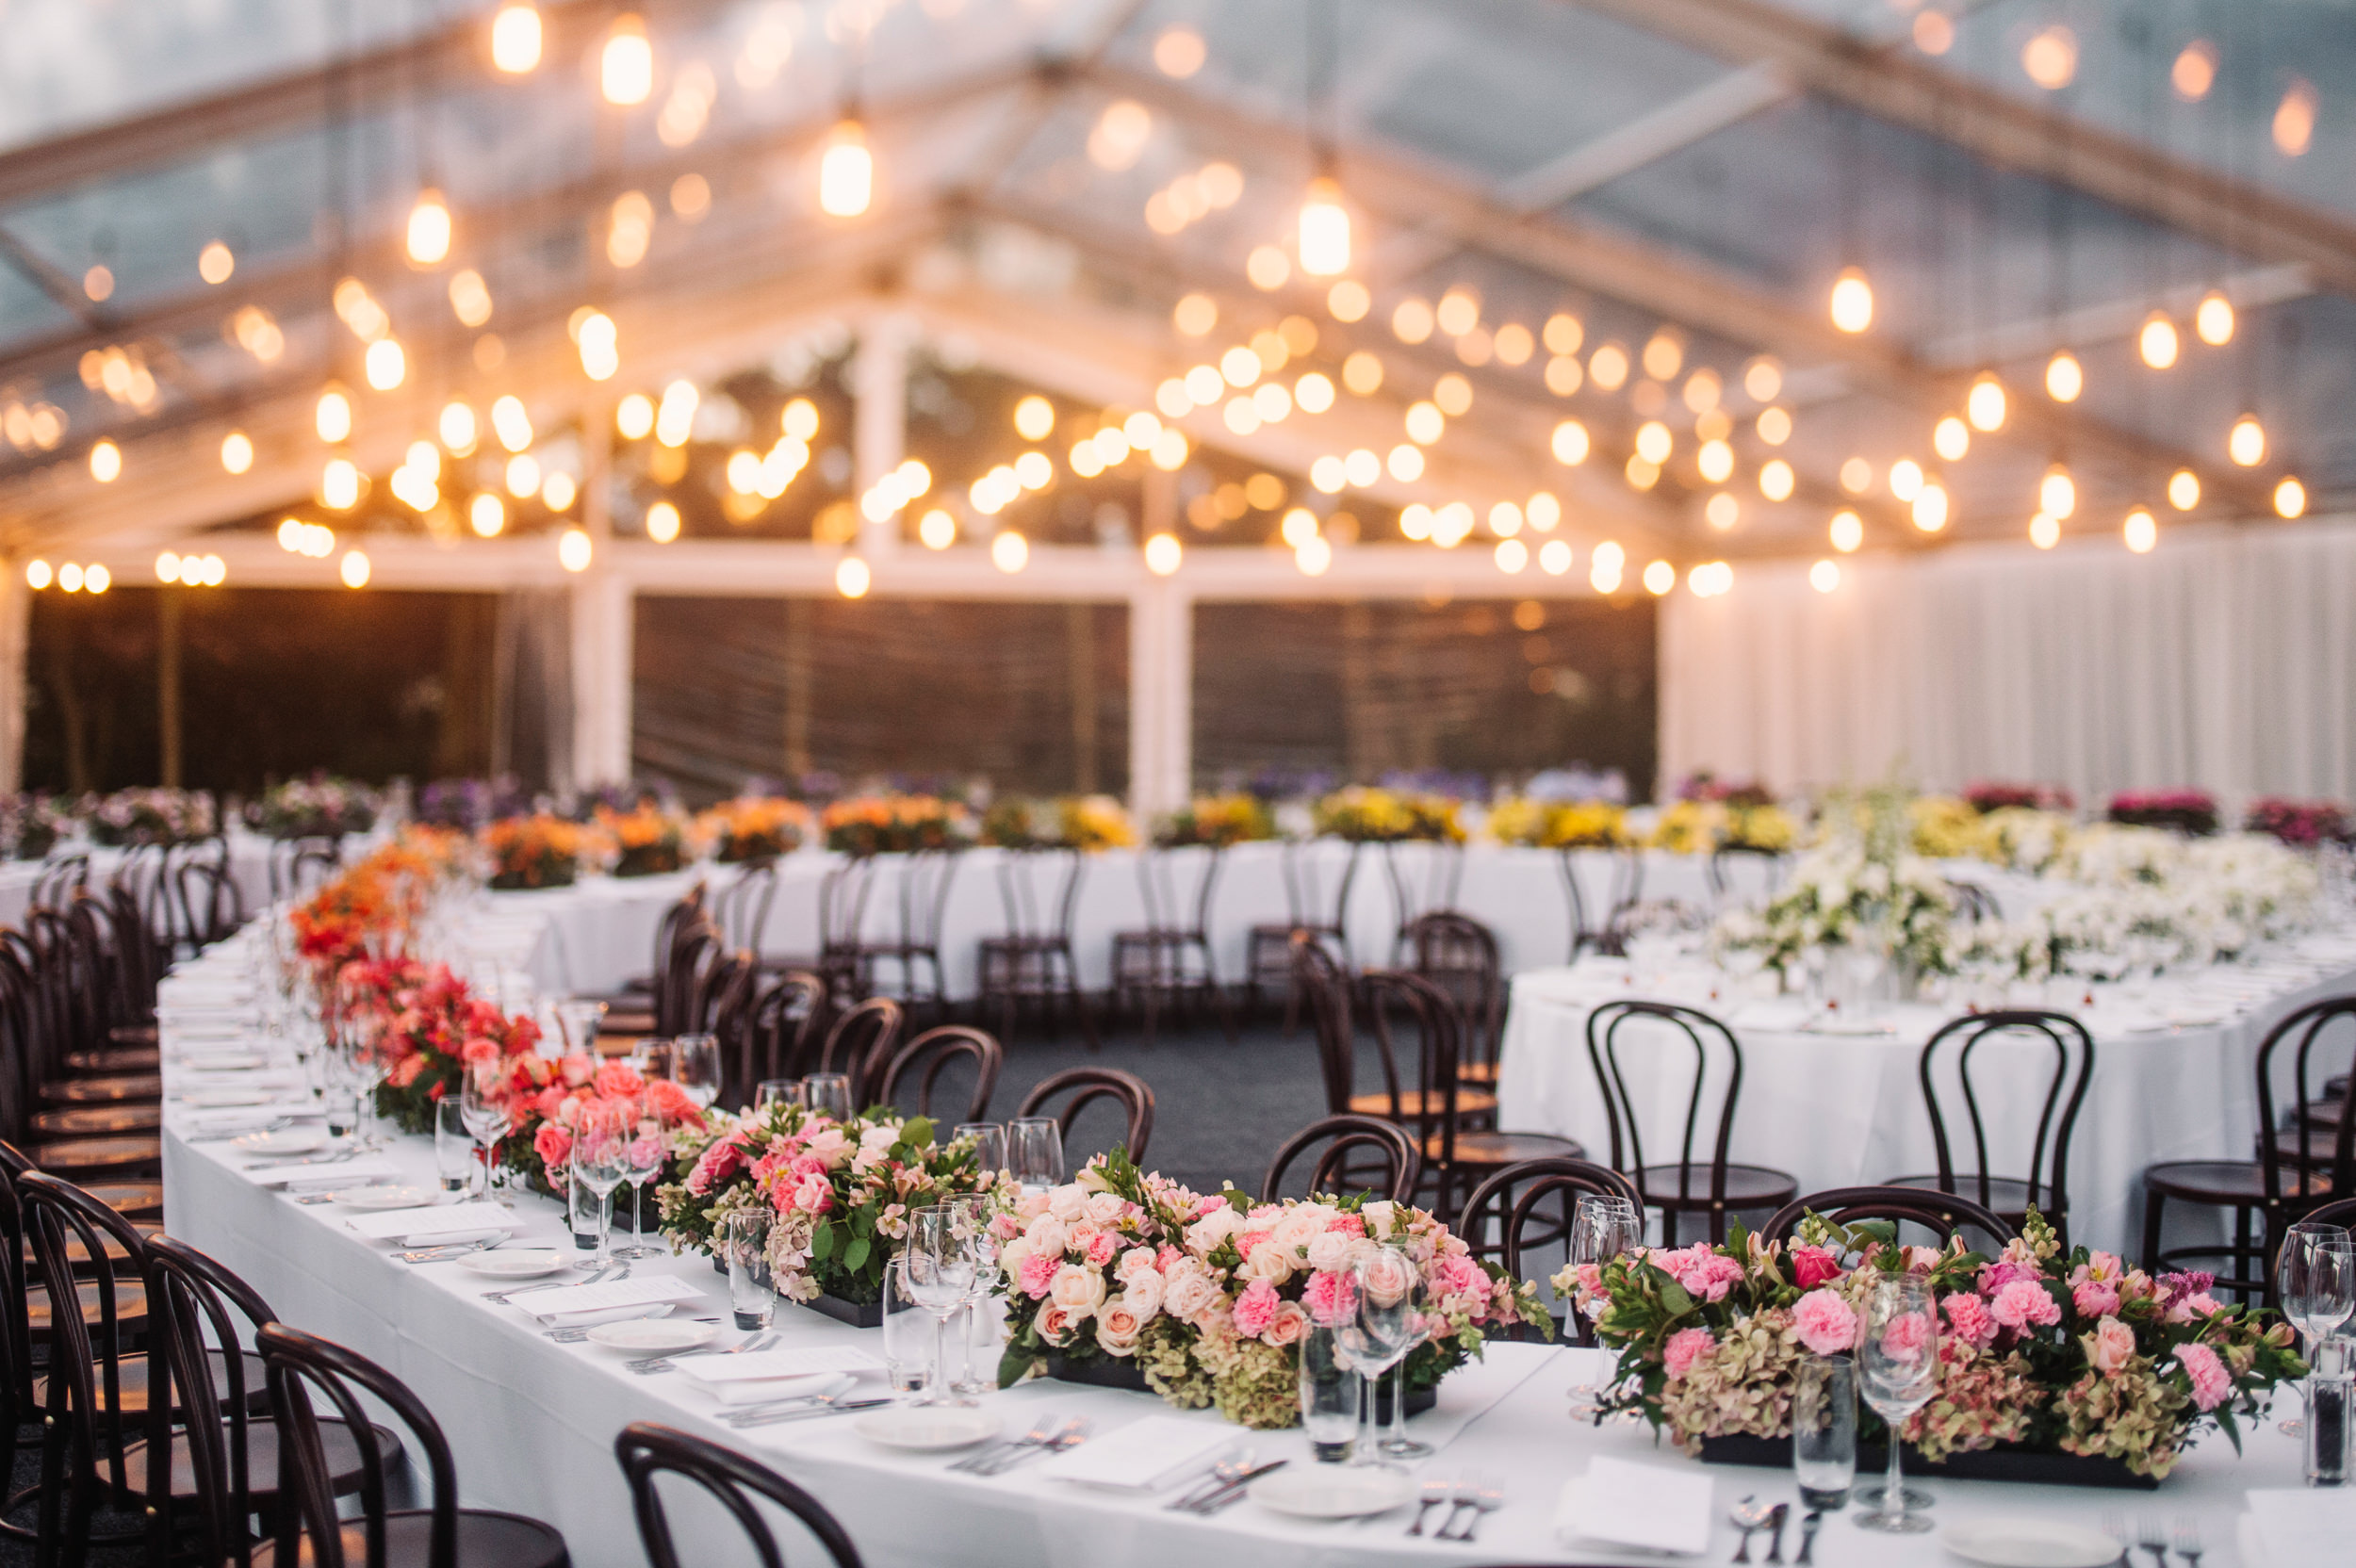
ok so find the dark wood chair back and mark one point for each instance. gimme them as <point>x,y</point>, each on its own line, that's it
<point>1459,954</point>
<point>1307,902</point>
<point>1177,883</point>
<point>924,1060</point>
<point>298,1362</point>
<point>1323,987</point>
<point>789,1019</point>
<point>1361,1154</point>
<point>1418,891</point>
<point>1038,888</point>
<point>2305,1144</point>
<point>84,1420</point>
<point>1627,885</point>
<point>646,1450</point>
<point>1940,1212</point>
<point>1672,1036</point>
<point>189,1298</point>
<point>861,1043</point>
<point>1738,870</point>
<point>1085,1086</point>
<point>1948,1054</point>
<point>741,907</point>
<point>61,876</point>
<point>1498,1217</point>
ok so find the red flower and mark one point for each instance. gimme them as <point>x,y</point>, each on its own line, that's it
<point>1813,1265</point>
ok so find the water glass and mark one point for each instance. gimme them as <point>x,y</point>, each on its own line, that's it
<point>1898,1370</point>
<point>1035,1151</point>
<point>453,1146</point>
<point>989,1143</point>
<point>581,1210</point>
<point>576,1026</point>
<point>777,1091</point>
<point>2329,1387</point>
<point>343,1112</point>
<point>938,1265</point>
<point>696,1068</point>
<point>975,1331</point>
<point>1823,1431</point>
<point>1330,1393</point>
<point>2315,1275</point>
<point>752,1291</point>
<point>908,1335</point>
<point>600,1161</point>
<point>829,1094</point>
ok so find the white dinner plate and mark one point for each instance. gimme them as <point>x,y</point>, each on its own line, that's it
<point>516,1262</point>
<point>290,1140</point>
<point>926,1428</point>
<point>386,1198</point>
<point>2016,1540</point>
<point>651,1336</point>
<point>209,1100</point>
<point>1332,1491</point>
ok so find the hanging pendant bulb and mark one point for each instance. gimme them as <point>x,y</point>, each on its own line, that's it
<point>429,229</point>
<point>1851,300</point>
<point>1985,407</point>
<point>626,65</point>
<point>2246,443</point>
<point>1951,439</point>
<point>846,172</point>
<point>2213,319</point>
<point>515,38</point>
<point>2290,497</point>
<point>2184,489</point>
<point>2057,493</point>
<point>1324,230</point>
<point>2064,379</point>
<point>333,417</point>
<point>2157,341</point>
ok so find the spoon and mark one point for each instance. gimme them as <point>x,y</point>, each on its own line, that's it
<point>1221,1474</point>
<point>1750,1515</point>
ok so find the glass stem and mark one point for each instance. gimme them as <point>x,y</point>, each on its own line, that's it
<point>1894,1490</point>
<point>1395,1429</point>
<point>940,1357</point>
<point>605,1228</point>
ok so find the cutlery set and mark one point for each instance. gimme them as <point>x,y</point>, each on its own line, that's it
<point>2150,1536</point>
<point>648,1365</point>
<point>1045,1437</point>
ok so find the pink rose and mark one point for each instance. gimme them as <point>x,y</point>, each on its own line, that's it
<point>1118,1324</point>
<point>1827,1324</point>
<point>1137,1261</point>
<point>2023,1303</point>
<point>813,1196</point>
<point>1968,1316</point>
<point>1332,1298</point>
<point>1290,1322</point>
<point>554,1146</point>
<point>2110,1346</point>
<point>1683,1347</point>
<point>478,1050</point>
<point>1996,1276</point>
<point>578,1069</point>
<point>2187,1309</point>
<point>2211,1384</point>
<point>1038,1275</point>
<point>1459,1276</point>
<point>2095,1299</point>
<point>1813,1266</point>
<point>1056,1324</point>
<point>616,1081</point>
<point>1256,1309</point>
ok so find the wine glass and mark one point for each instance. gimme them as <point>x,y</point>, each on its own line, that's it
<point>940,1266</point>
<point>650,1058</point>
<point>829,1094</point>
<point>642,1161</point>
<point>777,1091</point>
<point>601,1138</point>
<point>1898,1370</point>
<point>2315,1274</point>
<point>990,1146</point>
<point>1387,1326</point>
<point>696,1068</point>
<point>1035,1151</point>
<point>1604,1227</point>
<point>971,1215</point>
<point>486,1114</point>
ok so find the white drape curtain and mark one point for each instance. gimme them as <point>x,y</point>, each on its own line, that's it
<point>2225,660</point>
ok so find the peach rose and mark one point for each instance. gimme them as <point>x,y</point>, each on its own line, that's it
<point>1076,1289</point>
<point>1118,1324</point>
<point>1056,1325</point>
<point>1187,1296</point>
<point>1290,1322</point>
<point>1144,1292</point>
<point>2111,1346</point>
<point>1105,1208</point>
<point>1068,1203</point>
<point>1138,1261</point>
<point>1330,1250</point>
<point>1272,1261</point>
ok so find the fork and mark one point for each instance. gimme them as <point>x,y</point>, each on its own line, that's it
<point>1075,1433</point>
<point>663,1364</point>
<point>1489,1498</point>
<point>1435,1491</point>
<point>2188,1539</point>
<point>1041,1429</point>
<point>2152,1539</point>
<point>1465,1495</point>
<point>1226,1470</point>
<point>500,1297</point>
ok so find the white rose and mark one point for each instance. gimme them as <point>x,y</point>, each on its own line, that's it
<point>1105,1207</point>
<point>1067,1203</point>
<point>1300,1223</point>
<point>1047,1234</point>
<point>1379,1215</point>
<point>1204,1234</point>
<point>1136,1263</point>
<point>1077,1288</point>
<point>1010,1256</point>
<point>1189,1294</point>
<point>1330,1250</point>
<point>1270,1261</point>
<point>1143,1292</point>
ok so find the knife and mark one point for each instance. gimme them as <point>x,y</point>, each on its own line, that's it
<point>1775,1523</point>
<point>775,1416</point>
<point>1234,1490</point>
<point>1807,1536</point>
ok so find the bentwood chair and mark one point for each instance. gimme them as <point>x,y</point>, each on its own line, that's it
<point>646,1450</point>
<point>923,1061</point>
<point>2061,1063</point>
<point>1692,1048</point>
<point>1459,954</point>
<point>1268,948</point>
<point>1361,1154</point>
<point>311,1530</point>
<point>1739,874</point>
<point>636,1009</point>
<point>741,906</point>
<point>1034,961</point>
<point>1079,1088</point>
<point>1942,1213</point>
<point>1413,896</point>
<point>860,1044</point>
<point>1168,960</point>
<point>781,1032</point>
<point>1337,1013</point>
<point>913,951</point>
<point>1627,885</point>
<point>2305,1158</point>
<point>61,876</point>
<point>1506,1216</point>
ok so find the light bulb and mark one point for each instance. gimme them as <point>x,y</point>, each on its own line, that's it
<point>2141,530</point>
<point>1985,407</point>
<point>487,515</point>
<point>600,348</point>
<point>1851,300</point>
<point>1930,507</point>
<point>1660,577</point>
<point>852,578</point>
<point>1009,552</point>
<point>2064,378</point>
<point>2157,341</point>
<point>626,66</point>
<point>1777,479</point>
<point>512,423</point>
<point>1825,576</point>
<point>1906,478</point>
<point>456,427</point>
<point>2056,493</point>
<point>2290,497</point>
<point>237,452</point>
<point>2044,531</point>
<point>1162,555</point>
<point>1951,438</point>
<point>846,172</point>
<point>1653,442</point>
<point>1034,418</point>
<point>1715,461</point>
<point>332,418</point>
<point>515,38</point>
<point>1324,230</point>
<point>2184,489</point>
<point>354,569</point>
<point>339,485</point>
<point>572,550</point>
<point>2213,319</point>
<point>105,463</point>
<point>429,229</point>
<point>388,367</point>
<point>662,522</point>
<point>1848,532</point>
<point>2246,443</point>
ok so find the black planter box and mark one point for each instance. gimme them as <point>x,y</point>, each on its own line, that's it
<point>1121,1372</point>
<point>859,1316</point>
<point>1984,1464</point>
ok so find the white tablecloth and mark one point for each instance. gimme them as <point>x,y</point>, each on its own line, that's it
<point>1844,1110</point>
<point>531,1422</point>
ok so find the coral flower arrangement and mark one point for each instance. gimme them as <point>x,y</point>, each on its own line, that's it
<point>541,851</point>
<point>646,840</point>
<point>2039,1353</point>
<point>885,825</point>
<point>755,827</point>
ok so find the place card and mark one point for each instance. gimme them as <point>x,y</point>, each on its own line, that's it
<point>570,1300</point>
<point>1144,1456</point>
<point>1647,1505</point>
<point>760,1375</point>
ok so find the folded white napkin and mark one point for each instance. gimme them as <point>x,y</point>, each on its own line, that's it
<point>1649,1507</point>
<point>583,1303</point>
<point>607,1315</point>
<point>2298,1529</point>
<point>761,1375</point>
<point>446,1223</point>
<point>242,1117</point>
<point>1145,1455</point>
<point>342,1173</point>
<point>210,1063</point>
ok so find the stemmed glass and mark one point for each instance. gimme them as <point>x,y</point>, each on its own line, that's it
<point>641,1158</point>
<point>1898,1368</point>
<point>1387,1324</point>
<point>1604,1227</point>
<point>2315,1276</point>
<point>989,1145</point>
<point>777,1091</point>
<point>696,1068</point>
<point>971,1216</point>
<point>829,1094</point>
<point>1035,1151</point>
<point>939,1272</point>
<point>601,1138</point>
<point>485,1118</point>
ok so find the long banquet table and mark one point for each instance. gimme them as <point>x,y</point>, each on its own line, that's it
<point>531,1422</point>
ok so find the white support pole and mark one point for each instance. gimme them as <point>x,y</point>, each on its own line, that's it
<point>16,617</point>
<point>879,428</point>
<point>1161,697</point>
<point>603,606</point>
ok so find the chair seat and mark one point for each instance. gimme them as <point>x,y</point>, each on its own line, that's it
<point>87,1121</point>
<point>127,1058</point>
<point>2008,1195</point>
<point>130,1306</point>
<point>261,1458</point>
<point>1488,1149</point>
<point>2228,1182</point>
<point>112,1088</point>
<point>131,1199</point>
<point>74,1158</point>
<point>485,1540</point>
<point>1748,1187</point>
<point>1477,1072</point>
<point>2320,1149</point>
<point>1411,1105</point>
<point>621,1020</point>
<point>132,1373</point>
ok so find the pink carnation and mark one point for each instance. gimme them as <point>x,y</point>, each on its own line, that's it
<point>1101,1248</point>
<point>1813,1265</point>
<point>1350,1222</point>
<point>2023,1303</point>
<point>1256,1309</point>
<point>1683,1347</point>
<point>1968,1316</point>
<point>1827,1324</point>
<point>1332,1298</point>
<point>1457,1276</point>
<point>1038,1274</point>
<point>2211,1384</point>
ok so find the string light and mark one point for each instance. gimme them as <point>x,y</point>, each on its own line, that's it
<point>2245,443</point>
<point>1510,555</point>
<point>1777,481</point>
<point>1606,568</point>
<point>523,475</point>
<point>456,427</point>
<point>105,463</point>
<point>2157,341</point>
<point>1715,461</point>
<point>1009,552</point>
<point>846,172</point>
<point>469,297</point>
<point>2141,530</point>
<point>2213,319</point>
<point>511,423</point>
<point>852,578</point>
<point>429,229</point>
<point>333,417</point>
<point>237,452</point>
<point>1930,507</point>
<point>487,515</point>
<point>572,550</point>
<point>1906,478</point>
<point>1722,511</point>
<point>339,485</point>
<point>1985,405</point>
<point>2056,493</point>
<point>2290,497</point>
<point>1851,300</point>
<point>600,346</point>
<point>36,574</point>
<point>1554,557</point>
<point>1825,576</point>
<point>1951,438</point>
<point>2184,489</point>
<point>2044,531</point>
<point>1660,577</point>
<point>1324,230</point>
<point>215,263</point>
<point>354,569</point>
<point>388,367</point>
<point>1847,530</point>
<point>1773,426</point>
<point>1856,476</point>
<point>1571,443</point>
<point>515,38</point>
<point>2065,378</point>
<point>1312,556</point>
<point>1653,442</point>
<point>663,522</point>
<point>626,65</point>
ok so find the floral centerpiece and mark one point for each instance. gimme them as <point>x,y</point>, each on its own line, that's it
<point>840,1192</point>
<point>540,851</point>
<point>1206,1300</point>
<point>646,840</point>
<point>149,816</point>
<point>1739,821</point>
<point>314,807</point>
<point>30,825</point>
<point>755,827</point>
<point>365,910</point>
<point>2023,838</point>
<point>1844,895</point>
<point>1985,795</point>
<point>2301,824</point>
<point>1086,823</point>
<point>886,825</point>
<point>1217,821</point>
<point>2039,1353</point>
<point>427,1027</point>
<point>1559,824</point>
<point>2192,812</point>
<point>545,1108</point>
<point>1367,815</point>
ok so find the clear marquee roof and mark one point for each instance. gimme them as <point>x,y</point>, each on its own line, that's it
<point>2013,179</point>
